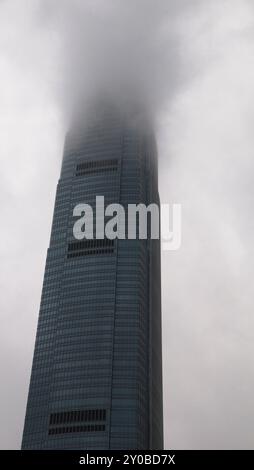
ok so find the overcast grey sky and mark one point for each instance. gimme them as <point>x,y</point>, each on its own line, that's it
<point>192,62</point>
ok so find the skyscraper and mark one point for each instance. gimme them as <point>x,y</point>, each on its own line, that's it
<point>96,380</point>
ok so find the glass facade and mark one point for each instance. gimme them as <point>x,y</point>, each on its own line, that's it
<point>96,379</point>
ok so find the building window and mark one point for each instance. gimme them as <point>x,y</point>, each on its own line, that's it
<point>96,166</point>
<point>90,247</point>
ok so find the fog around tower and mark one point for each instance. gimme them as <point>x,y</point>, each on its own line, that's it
<point>124,52</point>
<point>190,63</point>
